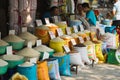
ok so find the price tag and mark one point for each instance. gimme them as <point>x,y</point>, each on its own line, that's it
<point>24,29</point>
<point>39,42</point>
<point>75,29</point>
<point>72,17</point>
<point>88,38</point>
<point>46,55</point>
<point>68,30</point>
<point>64,22</point>
<point>29,45</point>
<point>66,48</point>
<point>39,22</point>
<point>60,32</point>
<point>81,40</point>
<point>73,42</point>
<point>12,32</point>
<point>56,18</point>
<point>9,50</point>
<point>33,60</point>
<point>0,35</point>
<point>52,35</point>
<point>81,28</point>
<point>47,20</point>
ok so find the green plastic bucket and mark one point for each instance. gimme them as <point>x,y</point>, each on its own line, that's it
<point>3,69</point>
<point>112,57</point>
<point>2,49</point>
<point>17,45</point>
<point>50,54</point>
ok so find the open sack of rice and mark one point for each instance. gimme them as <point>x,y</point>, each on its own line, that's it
<point>3,46</point>
<point>62,26</point>
<point>3,67</point>
<point>82,34</point>
<point>82,50</point>
<point>67,40</point>
<point>53,68</point>
<point>76,59</point>
<point>52,27</point>
<point>57,44</point>
<point>28,69</point>
<point>90,50</point>
<point>28,37</point>
<point>64,63</point>
<point>76,37</point>
<point>42,70</point>
<point>28,53</point>
<point>42,33</point>
<point>111,40</point>
<point>13,60</point>
<point>16,42</point>
<point>44,48</point>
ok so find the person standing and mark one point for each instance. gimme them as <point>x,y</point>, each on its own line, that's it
<point>90,16</point>
<point>81,16</point>
<point>116,10</point>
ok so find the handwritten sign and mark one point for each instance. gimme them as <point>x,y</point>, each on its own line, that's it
<point>60,32</point>
<point>39,22</point>
<point>29,45</point>
<point>12,32</point>
<point>9,50</point>
<point>73,42</point>
<point>46,55</point>
<point>47,20</point>
<point>52,35</point>
<point>68,30</point>
<point>39,42</point>
<point>81,40</point>
<point>24,29</point>
<point>66,48</point>
<point>75,29</point>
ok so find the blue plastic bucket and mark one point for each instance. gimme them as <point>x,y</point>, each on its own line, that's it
<point>29,72</point>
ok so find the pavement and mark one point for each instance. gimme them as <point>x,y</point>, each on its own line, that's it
<point>98,72</point>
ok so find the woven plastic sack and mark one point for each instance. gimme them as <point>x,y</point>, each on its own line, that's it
<point>57,44</point>
<point>84,55</point>
<point>42,70</point>
<point>64,65</point>
<point>53,68</point>
<point>98,52</point>
<point>75,58</point>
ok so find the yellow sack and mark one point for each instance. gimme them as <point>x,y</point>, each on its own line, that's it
<point>98,52</point>
<point>57,44</point>
<point>42,70</point>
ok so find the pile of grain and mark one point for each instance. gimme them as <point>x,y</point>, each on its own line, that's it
<point>26,64</point>
<point>74,35</point>
<point>12,57</point>
<point>59,54</point>
<point>66,37</point>
<point>58,39</point>
<point>28,52</point>
<point>3,63</point>
<point>88,43</point>
<point>43,27</point>
<point>12,38</point>
<point>43,48</point>
<point>27,36</point>
<point>3,43</point>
